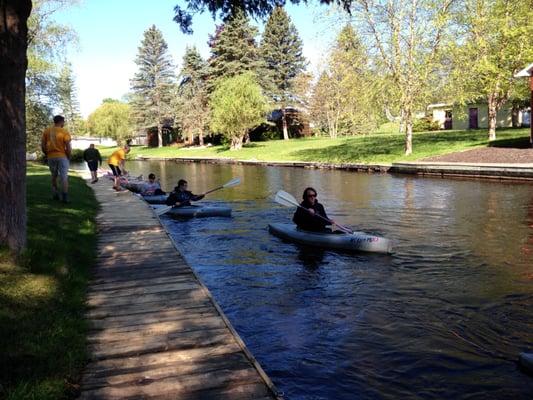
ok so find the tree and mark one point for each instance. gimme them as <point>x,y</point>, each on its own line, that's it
<point>111,119</point>
<point>68,99</point>
<point>47,41</point>
<point>495,44</point>
<point>233,50</point>
<point>237,107</point>
<point>153,84</point>
<point>192,110</point>
<point>281,50</point>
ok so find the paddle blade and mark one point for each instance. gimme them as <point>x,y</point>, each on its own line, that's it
<point>233,182</point>
<point>286,199</point>
<point>161,211</point>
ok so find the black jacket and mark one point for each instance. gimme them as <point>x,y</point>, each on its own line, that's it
<point>183,197</point>
<point>309,222</point>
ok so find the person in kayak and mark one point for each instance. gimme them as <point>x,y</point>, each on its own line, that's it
<point>313,217</point>
<point>151,187</point>
<point>181,196</point>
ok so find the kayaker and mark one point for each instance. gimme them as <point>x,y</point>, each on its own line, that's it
<point>181,196</point>
<point>314,217</point>
<point>151,187</point>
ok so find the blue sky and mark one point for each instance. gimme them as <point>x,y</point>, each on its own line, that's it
<point>110,32</point>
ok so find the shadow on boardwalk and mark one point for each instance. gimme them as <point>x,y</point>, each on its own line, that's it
<point>155,330</point>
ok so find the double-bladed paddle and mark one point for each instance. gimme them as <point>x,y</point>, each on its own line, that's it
<point>288,200</point>
<point>233,182</point>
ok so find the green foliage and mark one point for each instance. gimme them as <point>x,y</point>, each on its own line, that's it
<point>233,50</point>
<point>343,101</point>
<point>237,106</point>
<point>111,119</point>
<point>47,41</point>
<point>68,99</point>
<point>425,124</point>
<point>495,43</point>
<point>282,51</point>
<point>191,108</point>
<point>42,295</point>
<point>76,155</point>
<point>153,83</point>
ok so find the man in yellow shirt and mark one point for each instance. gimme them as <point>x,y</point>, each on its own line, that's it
<point>116,163</point>
<point>55,144</point>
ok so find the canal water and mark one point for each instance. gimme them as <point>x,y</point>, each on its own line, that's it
<point>444,317</point>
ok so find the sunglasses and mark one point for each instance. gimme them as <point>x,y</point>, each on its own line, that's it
<point>311,195</point>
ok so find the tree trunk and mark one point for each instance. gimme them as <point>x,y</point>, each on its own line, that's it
<point>201,138</point>
<point>236,142</point>
<point>492,116</point>
<point>13,63</point>
<point>159,135</point>
<point>408,118</point>
<point>284,124</point>
<point>515,112</point>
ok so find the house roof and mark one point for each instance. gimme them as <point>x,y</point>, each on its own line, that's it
<point>527,71</point>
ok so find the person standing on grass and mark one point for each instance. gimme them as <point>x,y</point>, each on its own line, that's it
<point>116,163</point>
<point>55,144</point>
<point>93,158</point>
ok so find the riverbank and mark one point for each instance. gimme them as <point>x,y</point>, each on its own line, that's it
<point>42,295</point>
<point>375,149</point>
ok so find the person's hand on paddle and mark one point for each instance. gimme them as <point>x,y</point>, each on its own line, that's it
<point>311,211</point>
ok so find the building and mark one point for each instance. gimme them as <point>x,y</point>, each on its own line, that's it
<point>476,115</point>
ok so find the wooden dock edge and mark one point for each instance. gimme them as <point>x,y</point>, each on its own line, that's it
<point>277,394</point>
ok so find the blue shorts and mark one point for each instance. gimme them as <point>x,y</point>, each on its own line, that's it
<point>59,167</point>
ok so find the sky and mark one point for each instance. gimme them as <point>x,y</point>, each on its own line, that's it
<point>110,31</point>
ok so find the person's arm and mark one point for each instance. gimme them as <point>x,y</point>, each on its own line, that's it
<point>43,144</point>
<point>68,149</point>
<point>196,197</point>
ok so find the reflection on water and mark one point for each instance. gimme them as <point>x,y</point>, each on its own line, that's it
<point>444,317</point>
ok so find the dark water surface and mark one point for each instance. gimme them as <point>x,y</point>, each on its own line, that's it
<point>444,317</point>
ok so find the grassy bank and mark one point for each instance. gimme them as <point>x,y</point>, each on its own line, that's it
<point>370,149</point>
<point>42,335</point>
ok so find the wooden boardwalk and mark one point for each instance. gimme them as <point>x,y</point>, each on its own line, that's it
<point>155,330</point>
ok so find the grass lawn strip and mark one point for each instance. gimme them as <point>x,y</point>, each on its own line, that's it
<point>42,294</point>
<point>382,148</point>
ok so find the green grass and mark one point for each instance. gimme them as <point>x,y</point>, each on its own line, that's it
<point>42,293</point>
<point>376,148</point>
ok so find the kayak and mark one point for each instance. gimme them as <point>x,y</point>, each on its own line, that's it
<point>199,211</point>
<point>526,361</point>
<point>155,199</point>
<point>356,241</point>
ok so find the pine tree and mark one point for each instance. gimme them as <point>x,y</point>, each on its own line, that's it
<point>68,99</point>
<point>192,111</point>
<point>281,50</point>
<point>153,83</point>
<point>233,50</point>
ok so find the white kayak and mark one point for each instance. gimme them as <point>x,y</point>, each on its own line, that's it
<point>155,199</point>
<point>356,241</point>
<point>199,211</point>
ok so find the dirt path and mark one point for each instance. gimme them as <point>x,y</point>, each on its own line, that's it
<point>488,155</point>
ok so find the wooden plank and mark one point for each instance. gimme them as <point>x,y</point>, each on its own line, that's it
<point>191,293</point>
<point>165,329</point>
<point>174,314</point>
<point>148,307</point>
<point>175,385</point>
<point>115,366</point>
<point>141,290</point>
<point>126,284</point>
<point>186,340</point>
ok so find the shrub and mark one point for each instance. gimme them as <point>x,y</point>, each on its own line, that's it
<point>425,124</point>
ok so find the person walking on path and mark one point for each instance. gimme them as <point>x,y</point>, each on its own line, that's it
<point>55,144</point>
<point>116,163</point>
<point>93,158</point>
